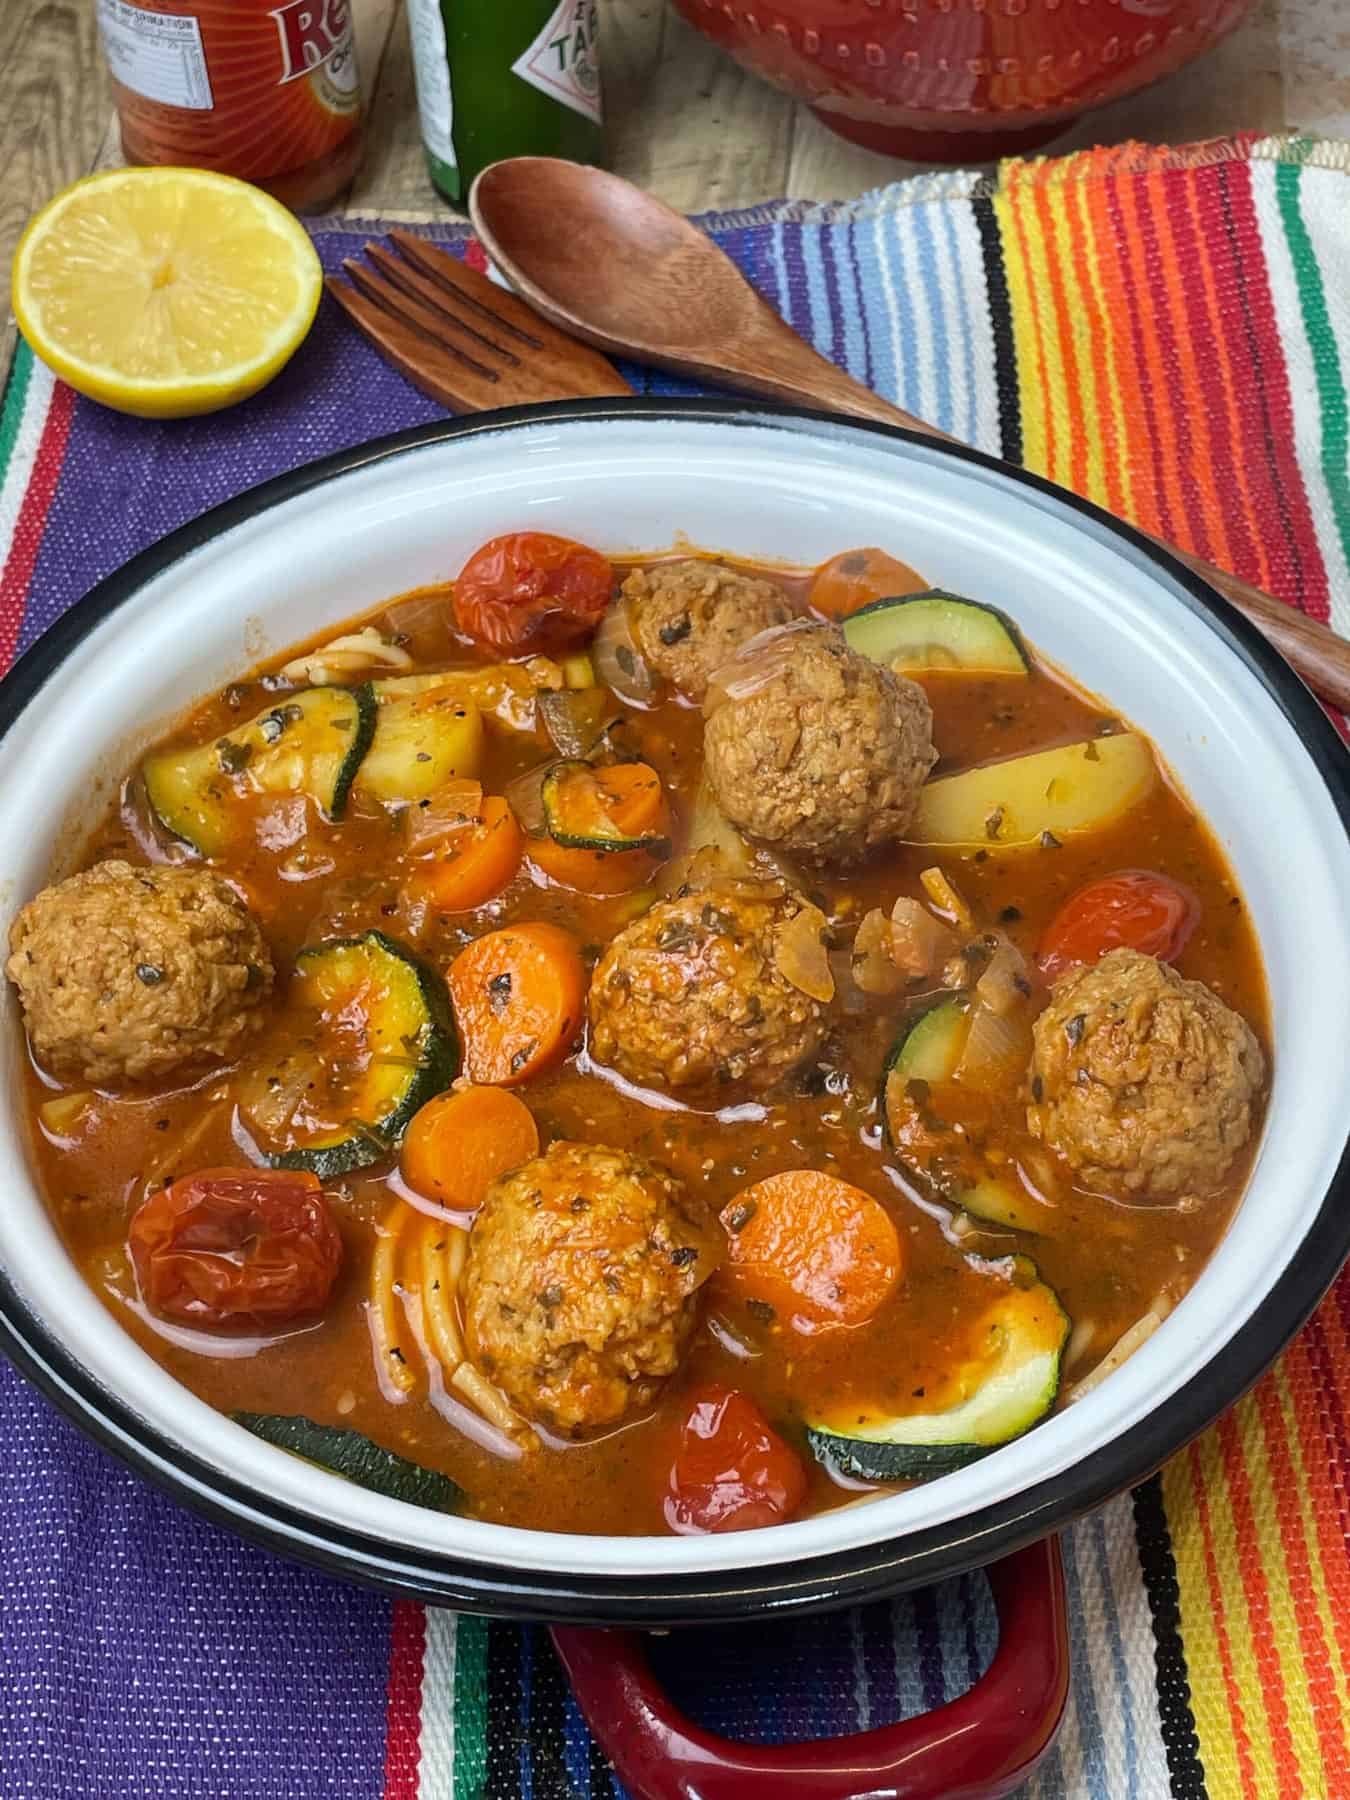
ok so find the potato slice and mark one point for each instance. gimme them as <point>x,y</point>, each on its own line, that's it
<point>1078,787</point>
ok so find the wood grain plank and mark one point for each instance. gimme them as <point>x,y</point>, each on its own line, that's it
<point>54,104</point>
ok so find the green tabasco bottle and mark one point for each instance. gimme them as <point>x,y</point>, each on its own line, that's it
<point>502,78</point>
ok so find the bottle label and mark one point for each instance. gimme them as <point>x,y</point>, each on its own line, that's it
<point>564,60</point>
<point>158,55</point>
<point>316,40</point>
<point>431,67</point>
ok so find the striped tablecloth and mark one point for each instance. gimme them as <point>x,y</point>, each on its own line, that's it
<point>1168,332</point>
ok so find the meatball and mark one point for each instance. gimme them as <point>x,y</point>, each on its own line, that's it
<point>825,756</point>
<point>581,1287</point>
<point>134,973</point>
<point>692,995</point>
<point>1142,1081</point>
<point>689,617</point>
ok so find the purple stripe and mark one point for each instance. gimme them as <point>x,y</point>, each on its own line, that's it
<point>830,266</point>
<point>146,1654</point>
<point>929,1634</point>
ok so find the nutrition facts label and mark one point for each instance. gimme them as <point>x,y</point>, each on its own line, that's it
<point>158,55</point>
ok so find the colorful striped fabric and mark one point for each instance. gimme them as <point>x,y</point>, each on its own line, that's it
<point>1167,331</point>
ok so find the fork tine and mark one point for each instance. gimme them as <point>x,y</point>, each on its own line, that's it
<point>573,366</point>
<point>419,287</point>
<point>412,312</point>
<point>435,371</point>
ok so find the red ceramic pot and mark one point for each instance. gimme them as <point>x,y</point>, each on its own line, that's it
<point>960,80</point>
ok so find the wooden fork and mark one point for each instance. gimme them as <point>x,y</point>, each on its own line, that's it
<point>461,339</point>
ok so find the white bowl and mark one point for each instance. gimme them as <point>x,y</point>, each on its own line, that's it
<point>298,554</point>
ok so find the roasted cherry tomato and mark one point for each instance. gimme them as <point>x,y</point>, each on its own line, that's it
<point>857,577</point>
<point>530,593</point>
<point>1134,910</point>
<point>732,1471</point>
<point>236,1247</point>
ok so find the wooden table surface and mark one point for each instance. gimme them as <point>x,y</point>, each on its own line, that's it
<point>684,121</point>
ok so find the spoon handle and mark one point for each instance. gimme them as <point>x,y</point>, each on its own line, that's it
<point>774,365</point>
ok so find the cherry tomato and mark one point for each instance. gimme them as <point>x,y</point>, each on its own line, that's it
<point>1134,909</point>
<point>732,1471</point>
<point>855,578</point>
<point>531,593</point>
<point>236,1247</point>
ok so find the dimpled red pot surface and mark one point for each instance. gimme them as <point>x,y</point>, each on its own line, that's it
<point>955,80</point>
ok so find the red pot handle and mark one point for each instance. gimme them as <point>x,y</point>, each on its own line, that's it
<point>980,1747</point>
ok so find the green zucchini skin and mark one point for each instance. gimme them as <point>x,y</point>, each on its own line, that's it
<point>1025,1331</point>
<point>190,789</point>
<point>974,636</point>
<point>354,1457</point>
<point>370,1140</point>
<point>550,795</point>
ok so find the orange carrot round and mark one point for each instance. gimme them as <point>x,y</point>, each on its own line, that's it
<point>477,862</point>
<point>459,1143</point>
<point>624,800</point>
<point>857,577</point>
<point>820,1252</point>
<point>519,996</point>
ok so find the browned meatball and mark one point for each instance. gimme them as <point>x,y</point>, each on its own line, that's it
<point>581,1286</point>
<point>689,617</point>
<point>1143,1082</point>
<point>693,994</point>
<point>128,974</point>
<point>825,756</point>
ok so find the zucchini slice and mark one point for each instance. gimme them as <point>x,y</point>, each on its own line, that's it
<point>1038,799</point>
<point>928,1051</point>
<point>937,630</point>
<point>575,813</point>
<point>367,1037</point>
<point>1007,1382</point>
<point>347,1453</point>
<point>311,742</point>
<point>421,741</point>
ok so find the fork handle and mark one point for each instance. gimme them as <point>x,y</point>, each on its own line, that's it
<point>770,362</point>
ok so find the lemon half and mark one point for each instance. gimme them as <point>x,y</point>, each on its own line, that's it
<point>163,291</point>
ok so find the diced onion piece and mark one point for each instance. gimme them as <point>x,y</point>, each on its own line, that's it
<point>920,943</point>
<point>996,1050</point>
<point>449,809</point>
<point>1004,985</point>
<point>426,611</point>
<point>619,664</point>
<point>946,898</point>
<point>873,966</point>
<point>1123,1349</point>
<point>754,664</point>
<point>525,797</point>
<point>801,956</point>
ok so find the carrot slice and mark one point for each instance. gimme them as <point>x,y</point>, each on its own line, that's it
<point>855,578</point>
<point>519,995</point>
<point>819,1252</point>
<point>459,1143</point>
<point>623,800</point>
<point>476,863</point>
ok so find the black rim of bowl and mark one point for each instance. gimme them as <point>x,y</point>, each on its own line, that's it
<point>871,1570</point>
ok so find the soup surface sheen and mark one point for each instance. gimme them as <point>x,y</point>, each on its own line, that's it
<point>1112,1258</point>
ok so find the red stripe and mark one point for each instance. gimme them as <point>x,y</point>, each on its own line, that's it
<point>475,256</point>
<point>17,575</point>
<point>1267,434</point>
<point>403,1704</point>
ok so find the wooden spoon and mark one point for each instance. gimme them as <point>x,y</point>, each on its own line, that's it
<point>616,268</point>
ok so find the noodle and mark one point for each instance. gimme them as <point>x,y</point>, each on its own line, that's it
<point>439,1291</point>
<point>487,1400</point>
<point>397,1376</point>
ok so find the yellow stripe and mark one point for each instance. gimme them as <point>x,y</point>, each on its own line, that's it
<point>1269,1551</point>
<point>1025,341</point>
<point>1080,374</point>
<point>1214,1721</point>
